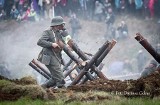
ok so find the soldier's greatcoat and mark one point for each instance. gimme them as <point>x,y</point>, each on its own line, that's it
<point>51,57</point>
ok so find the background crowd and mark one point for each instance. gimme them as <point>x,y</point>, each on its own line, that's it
<point>88,9</point>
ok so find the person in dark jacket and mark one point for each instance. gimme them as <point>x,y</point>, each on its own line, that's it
<point>51,52</point>
<point>150,68</point>
<point>153,64</point>
<point>75,26</point>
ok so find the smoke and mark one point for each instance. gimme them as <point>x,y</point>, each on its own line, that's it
<point>18,43</point>
<point>92,37</point>
<point>18,46</point>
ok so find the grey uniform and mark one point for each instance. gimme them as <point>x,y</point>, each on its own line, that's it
<point>149,69</point>
<point>51,57</point>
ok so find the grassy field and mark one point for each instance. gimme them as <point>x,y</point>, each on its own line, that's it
<point>122,101</point>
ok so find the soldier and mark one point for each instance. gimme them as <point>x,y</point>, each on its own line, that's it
<point>149,68</point>
<point>51,52</point>
<point>75,26</point>
<point>153,65</point>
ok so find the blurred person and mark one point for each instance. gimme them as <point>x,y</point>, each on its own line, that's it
<point>90,9</point>
<point>7,7</point>
<point>14,12</point>
<point>47,6</point>
<point>1,4</point>
<point>20,6</point>
<point>150,68</point>
<point>110,19</point>
<point>138,7</point>
<point>32,15</point>
<point>123,6</point>
<point>41,8</point>
<point>98,12</point>
<point>117,5</point>
<point>146,9</point>
<point>152,65</point>
<point>107,5</point>
<point>75,26</point>
<point>51,52</point>
<point>157,9</point>
<point>122,31</point>
<point>2,15</point>
<point>151,8</point>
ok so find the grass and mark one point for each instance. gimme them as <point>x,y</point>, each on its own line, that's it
<point>118,101</point>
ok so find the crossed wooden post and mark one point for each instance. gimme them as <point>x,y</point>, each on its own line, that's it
<point>84,65</point>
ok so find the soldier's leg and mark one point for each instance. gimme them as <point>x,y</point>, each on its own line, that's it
<point>50,83</point>
<point>57,74</point>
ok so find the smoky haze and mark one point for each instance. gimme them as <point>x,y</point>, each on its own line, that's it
<point>19,43</point>
<point>18,46</point>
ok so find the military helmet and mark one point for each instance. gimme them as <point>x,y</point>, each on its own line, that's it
<point>58,20</point>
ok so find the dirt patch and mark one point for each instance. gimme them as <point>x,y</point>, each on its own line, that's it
<point>143,87</point>
<point>148,86</point>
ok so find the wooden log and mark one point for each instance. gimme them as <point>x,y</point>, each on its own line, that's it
<point>76,60</point>
<point>90,64</point>
<point>42,68</point>
<point>39,70</point>
<point>104,54</point>
<point>147,46</point>
<point>81,54</point>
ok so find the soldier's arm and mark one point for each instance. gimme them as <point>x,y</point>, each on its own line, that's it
<point>44,40</point>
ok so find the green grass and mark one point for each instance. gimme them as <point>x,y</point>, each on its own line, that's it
<point>118,101</point>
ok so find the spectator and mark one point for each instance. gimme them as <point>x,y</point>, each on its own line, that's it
<point>75,26</point>
<point>20,6</point>
<point>146,9</point>
<point>107,5</point>
<point>151,8</point>
<point>150,68</point>
<point>117,4</point>
<point>139,4</point>
<point>2,15</point>
<point>122,31</point>
<point>98,11</point>
<point>14,12</point>
<point>1,4</point>
<point>32,15</point>
<point>123,6</point>
<point>110,19</point>
<point>47,7</point>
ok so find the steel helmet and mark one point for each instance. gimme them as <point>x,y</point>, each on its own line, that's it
<point>57,20</point>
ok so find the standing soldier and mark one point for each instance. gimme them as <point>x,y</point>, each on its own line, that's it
<point>75,26</point>
<point>51,52</point>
